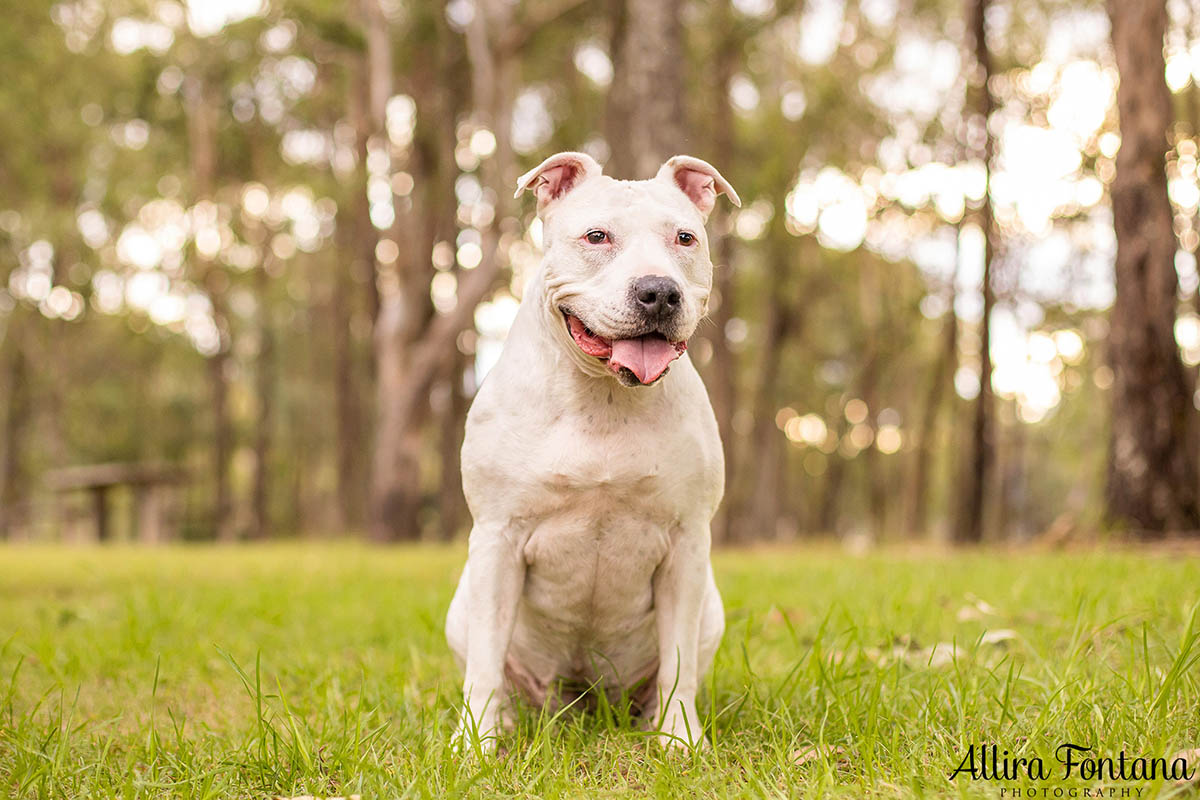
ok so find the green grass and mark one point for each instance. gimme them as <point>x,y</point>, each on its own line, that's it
<point>291,670</point>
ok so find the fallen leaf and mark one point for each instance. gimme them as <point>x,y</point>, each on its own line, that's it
<point>816,752</point>
<point>975,610</point>
<point>939,655</point>
<point>998,636</point>
<point>1192,757</point>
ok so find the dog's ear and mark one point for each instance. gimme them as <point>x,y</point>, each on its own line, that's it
<point>699,180</point>
<point>556,176</point>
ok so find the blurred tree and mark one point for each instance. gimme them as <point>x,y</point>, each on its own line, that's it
<point>977,473</point>
<point>782,321</point>
<point>940,383</point>
<point>357,240</point>
<point>1152,471</point>
<point>202,104</point>
<point>414,344</point>
<point>357,214</point>
<point>720,377</point>
<point>646,117</point>
<point>14,482</point>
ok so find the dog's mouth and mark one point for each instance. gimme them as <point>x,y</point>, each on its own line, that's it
<point>637,360</point>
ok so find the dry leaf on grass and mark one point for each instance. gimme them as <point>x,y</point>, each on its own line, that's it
<point>1192,757</point>
<point>999,636</point>
<point>816,752</point>
<point>313,797</point>
<point>940,655</point>
<point>975,609</point>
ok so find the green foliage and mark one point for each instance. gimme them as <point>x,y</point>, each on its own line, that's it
<point>112,384</point>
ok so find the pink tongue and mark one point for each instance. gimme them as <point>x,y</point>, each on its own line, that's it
<point>646,357</point>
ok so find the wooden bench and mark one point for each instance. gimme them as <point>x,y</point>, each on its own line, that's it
<point>150,483</point>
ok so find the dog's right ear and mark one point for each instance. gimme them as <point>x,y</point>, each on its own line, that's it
<point>699,180</point>
<point>556,176</point>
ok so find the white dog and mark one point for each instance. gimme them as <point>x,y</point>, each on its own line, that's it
<point>592,464</point>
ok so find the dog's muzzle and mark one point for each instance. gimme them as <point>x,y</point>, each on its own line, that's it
<point>637,360</point>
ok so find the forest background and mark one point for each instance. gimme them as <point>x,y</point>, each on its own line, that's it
<point>266,252</point>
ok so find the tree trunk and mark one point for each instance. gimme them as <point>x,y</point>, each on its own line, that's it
<point>863,386</point>
<point>1014,486</point>
<point>453,418</point>
<point>351,500</point>
<point>413,344</point>
<point>395,478</point>
<point>202,109</point>
<point>871,311</point>
<point>940,380</point>
<point>831,491</point>
<point>356,243</point>
<point>977,475</point>
<point>1152,481</point>
<point>645,121</point>
<point>760,520</point>
<point>17,408</point>
<point>218,381</point>
<point>265,389</point>
<point>720,377</point>
<point>1192,106</point>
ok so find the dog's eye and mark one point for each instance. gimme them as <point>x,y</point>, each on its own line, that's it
<point>686,238</point>
<point>596,237</point>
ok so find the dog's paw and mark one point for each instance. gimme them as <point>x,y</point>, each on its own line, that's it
<point>673,743</point>
<point>473,736</point>
<point>680,729</point>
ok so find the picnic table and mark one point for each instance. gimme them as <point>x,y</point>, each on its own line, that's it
<point>150,482</point>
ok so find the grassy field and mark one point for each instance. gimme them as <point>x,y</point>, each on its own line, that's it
<point>321,670</point>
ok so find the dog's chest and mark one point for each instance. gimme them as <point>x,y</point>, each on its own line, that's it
<point>590,564</point>
<point>596,496</point>
<point>601,519</point>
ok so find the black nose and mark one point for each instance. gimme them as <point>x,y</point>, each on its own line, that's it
<point>657,296</point>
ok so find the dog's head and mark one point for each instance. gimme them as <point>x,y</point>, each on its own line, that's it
<point>626,270</point>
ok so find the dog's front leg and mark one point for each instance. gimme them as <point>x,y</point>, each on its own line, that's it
<point>679,585</point>
<point>497,575</point>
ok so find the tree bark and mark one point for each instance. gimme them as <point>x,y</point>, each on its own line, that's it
<point>835,478</point>
<point>218,381</point>
<point>940,381</point>
<point>1193,120</point>
<point>451,502</point>
<point>1152,472</point>
<point>871,310</point>
<point>202,110</point>
<point>760,520</point>
<point>265,389</point>
<point>413,344</point>
<point>395,476</point>
<point>977,475</point>
<point>13,479</point>
<point>645,121</point>
<point>356,243</point>
<point>351,499</point>
<point>720,377</point>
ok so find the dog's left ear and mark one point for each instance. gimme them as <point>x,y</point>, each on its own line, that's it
<point>556,176</point>
<point>699,180</point>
